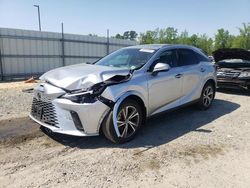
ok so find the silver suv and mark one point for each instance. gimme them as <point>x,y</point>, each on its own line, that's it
<point>119,92</point>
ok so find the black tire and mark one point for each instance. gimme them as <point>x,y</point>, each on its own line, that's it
<point>208,91</point>
<point>108,126</point>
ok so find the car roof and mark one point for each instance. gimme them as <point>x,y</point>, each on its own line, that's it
<point>149,46</point>
<point>159,46</point>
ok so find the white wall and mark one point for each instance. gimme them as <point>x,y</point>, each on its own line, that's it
<point>25,52</point>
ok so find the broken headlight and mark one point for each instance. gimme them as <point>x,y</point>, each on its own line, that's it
<point>79,97</point>
<point>94,92</point>
<point>88,96</point>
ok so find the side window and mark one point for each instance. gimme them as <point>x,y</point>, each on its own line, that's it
<point>186,57</point>
<point>202,57</point>
<point>168,57</point>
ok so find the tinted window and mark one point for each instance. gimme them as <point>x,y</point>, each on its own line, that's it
<point>186,57</point>
<point>201,57</point>
<point>168,57</point>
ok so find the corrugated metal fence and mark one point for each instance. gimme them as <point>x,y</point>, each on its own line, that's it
<point>25,53</point>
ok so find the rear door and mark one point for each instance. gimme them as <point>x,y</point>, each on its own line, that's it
<point>190,71</point>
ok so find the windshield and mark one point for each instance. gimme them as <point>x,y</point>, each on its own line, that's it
<point>132,58</point>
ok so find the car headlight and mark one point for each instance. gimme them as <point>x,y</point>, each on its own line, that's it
<point>79,96</point>
<point>88,96</point>
<point>244,75</point>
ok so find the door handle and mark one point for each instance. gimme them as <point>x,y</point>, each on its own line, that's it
<point>178,75</point>
<point>203,69</point>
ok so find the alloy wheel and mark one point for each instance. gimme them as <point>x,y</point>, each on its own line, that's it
<point>128,121</point>
<point>208,96</point>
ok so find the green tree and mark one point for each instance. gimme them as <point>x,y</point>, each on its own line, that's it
<point>167,35</point>
<point>162,36</point>
<point>93,35</point>
<point>222,39</point>
<point>194,40</point>
<point>205,43</point>
<point>243,39</point>
<point>149,37</point>
<point>184,38</point>
<point>118,36</point>
<point>129,35</point>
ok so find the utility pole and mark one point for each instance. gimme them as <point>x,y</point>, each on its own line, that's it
<point>39,20</point>
<point>107,41</point>
<point>63,54</point>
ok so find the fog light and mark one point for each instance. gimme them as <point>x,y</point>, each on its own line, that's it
<point>76,120</point>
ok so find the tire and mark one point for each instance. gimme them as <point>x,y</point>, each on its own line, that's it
<point>132,124</point>
<point>207,96</point>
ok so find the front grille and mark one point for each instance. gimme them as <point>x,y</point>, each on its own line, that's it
<point>228,74</point>
<point>232,74</point>
<point>44,111</point>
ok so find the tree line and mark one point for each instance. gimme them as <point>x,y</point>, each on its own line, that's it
<point>171,35</point>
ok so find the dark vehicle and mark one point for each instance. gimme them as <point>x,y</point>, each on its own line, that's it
<point>233,68</point>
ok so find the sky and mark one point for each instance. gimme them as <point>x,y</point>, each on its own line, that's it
<point>96,16</point>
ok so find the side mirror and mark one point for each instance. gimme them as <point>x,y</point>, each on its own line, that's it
<point>160,67</point>
<point>211,58</point>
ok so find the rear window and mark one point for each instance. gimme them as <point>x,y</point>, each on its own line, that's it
<point>187,57</point>
<point>201,57</point>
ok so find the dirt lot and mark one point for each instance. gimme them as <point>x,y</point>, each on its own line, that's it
<point>184,148</point>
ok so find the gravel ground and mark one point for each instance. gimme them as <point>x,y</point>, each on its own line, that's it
<point>184,148</point>
<point>13,102</point>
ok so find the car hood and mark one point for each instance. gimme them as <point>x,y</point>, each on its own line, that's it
<point>231,53</point>
<point>81,76</point>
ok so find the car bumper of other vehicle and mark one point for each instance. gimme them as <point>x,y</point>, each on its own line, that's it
<point>233,83</point>
<point>66,117</point>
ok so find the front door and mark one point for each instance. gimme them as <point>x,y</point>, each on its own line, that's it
<point>164,87</point>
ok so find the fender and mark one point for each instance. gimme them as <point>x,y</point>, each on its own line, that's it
<point>210,78</point>
<point>117,104</point>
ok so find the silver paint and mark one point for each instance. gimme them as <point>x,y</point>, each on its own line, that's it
<point>159,92</point>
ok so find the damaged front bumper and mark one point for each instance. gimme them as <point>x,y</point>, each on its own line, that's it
<point>78,112</point>
<point>66,117</point>
<point>62,115</point>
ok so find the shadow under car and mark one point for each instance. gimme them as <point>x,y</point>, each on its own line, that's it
<point>158,130</point>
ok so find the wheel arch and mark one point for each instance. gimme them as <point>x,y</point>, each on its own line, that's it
<point>128,95</point>
<point>212,81</point>
<point>139,100</point>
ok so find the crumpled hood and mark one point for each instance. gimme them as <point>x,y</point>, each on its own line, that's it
<point>81,76</point>
<point>231,53</point>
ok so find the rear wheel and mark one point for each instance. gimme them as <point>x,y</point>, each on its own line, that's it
<point>207,96</point>
<point>129,120</point>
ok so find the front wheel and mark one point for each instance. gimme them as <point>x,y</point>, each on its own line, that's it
<point>207,96</point>
<point>129,120</point>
